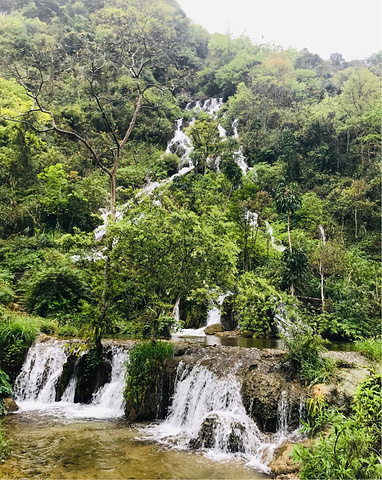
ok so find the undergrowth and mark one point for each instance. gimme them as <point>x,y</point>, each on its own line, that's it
<point>349,448</point>
<point>143,371</point>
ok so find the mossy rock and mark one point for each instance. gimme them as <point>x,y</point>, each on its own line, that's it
<point>213,329</point>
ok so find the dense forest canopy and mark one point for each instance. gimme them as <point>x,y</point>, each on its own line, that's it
<point>89,95</point>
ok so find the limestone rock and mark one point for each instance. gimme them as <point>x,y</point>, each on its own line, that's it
<point>282,463</point>
<point>213,329</point>
<point>10,405</point>
<point>208,434</point>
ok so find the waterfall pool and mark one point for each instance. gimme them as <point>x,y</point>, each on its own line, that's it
<point>48,446</point>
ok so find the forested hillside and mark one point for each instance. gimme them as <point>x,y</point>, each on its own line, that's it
<point>281,207</point>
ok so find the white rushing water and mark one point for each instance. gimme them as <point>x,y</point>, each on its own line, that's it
<point>35,387</point>
<point>208,413</point>
<point>213,317</point>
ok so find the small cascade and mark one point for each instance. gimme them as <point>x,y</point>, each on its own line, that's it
<point>207,413</point>
<point>213,317</point>
<point>280,248</point>
<point>40,373</point>
<point>180,144</point>
<point>214,314</point>
<point>111,394</point>
<point>241,160</point>
<point>222,131</point>
<point>322,234</point>
<point>36,385</point>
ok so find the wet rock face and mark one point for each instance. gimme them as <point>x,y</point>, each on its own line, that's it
<point>67,372</point>
<point>229,318</point>
<point>157,398</point>
<point>92,373</point>
<point>269,397</point>
<point>207,435</point>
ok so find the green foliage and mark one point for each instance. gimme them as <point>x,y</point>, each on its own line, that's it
<point>5,391</point>
<point>146,361</point>
<point>305,349</point>
<point>5,448</point>
<point>351,448</point>
<point>256,304</point>
<point>55,288</point>
<point>17,333</point>
<point>294,267</point>
<point>370,347</point>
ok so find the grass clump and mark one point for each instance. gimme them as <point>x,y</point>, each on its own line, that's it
<point>17,333</point>
<point>143,371</point>
<point>370,348</point>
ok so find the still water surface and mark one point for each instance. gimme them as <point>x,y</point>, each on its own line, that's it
<point>48,447</point>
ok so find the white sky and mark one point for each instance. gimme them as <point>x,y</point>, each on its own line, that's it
<point>350,27</point>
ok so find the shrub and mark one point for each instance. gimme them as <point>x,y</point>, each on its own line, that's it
<point>256,303</point>
<point>370,347</point>
<point>67,331</point>
<point>5,391</point>
<point>55,289</point>
<point>305,349</point>
<point>143,370</point>
<point>7,295</point>
<point>351,449</point>
<point>17,333</point>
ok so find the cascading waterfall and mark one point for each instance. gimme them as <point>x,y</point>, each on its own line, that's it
<point>207,413</point>
<point>41,372</point>
<point>241,160</point>
<point>213,317</point>
<point>35,387</point>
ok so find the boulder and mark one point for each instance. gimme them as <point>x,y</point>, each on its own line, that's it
<point>282,464</point>
<point>213,329</point>
<point>208,434</point>
<point>10,405</point>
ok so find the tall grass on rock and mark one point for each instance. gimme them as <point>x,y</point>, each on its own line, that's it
<point>17,333</point>
<point>143,374</point>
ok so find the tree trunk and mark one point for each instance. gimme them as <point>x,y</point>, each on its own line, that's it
<point>290,249</point>
<point>356,222</point>
<point>322,288</point>
<point>290,241</point>
<point>113,190</point>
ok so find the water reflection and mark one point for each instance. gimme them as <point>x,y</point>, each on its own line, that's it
<point>254,342</point>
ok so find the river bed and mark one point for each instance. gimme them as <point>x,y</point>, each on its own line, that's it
<point>47,446</point>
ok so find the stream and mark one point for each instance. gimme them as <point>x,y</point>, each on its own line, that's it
<point>48,446</point>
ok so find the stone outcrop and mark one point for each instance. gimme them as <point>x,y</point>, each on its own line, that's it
<point>213,329</point>
<point>207,435</point>
<point>283,464</point>
<point>10,405</point>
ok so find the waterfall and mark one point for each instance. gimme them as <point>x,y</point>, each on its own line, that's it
<point>213,314</point>
<point>241,160</point>
<point>280,248</point>
<point>322,234</point>
<point>35,387</point>
<point>41,372</point>
<point>181,142</point>
<point>111,394</point>
<point>213,317</point>
<point>207,413</point>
